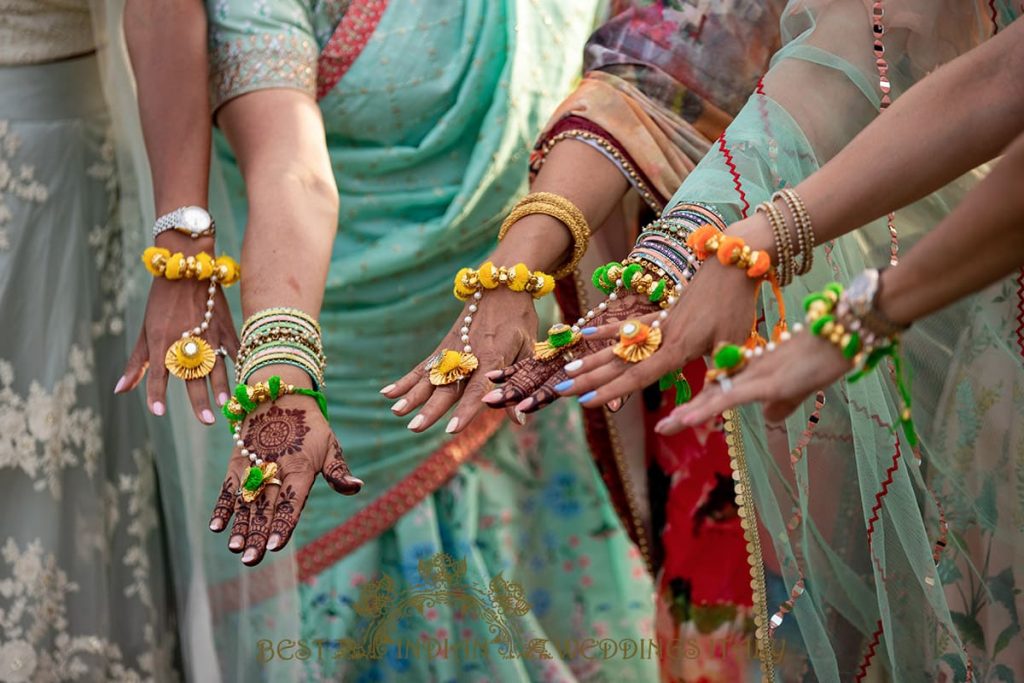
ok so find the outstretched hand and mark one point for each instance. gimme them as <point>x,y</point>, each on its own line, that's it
<point>292,433</point>
<point>502,332</point>
<point>781,379</point>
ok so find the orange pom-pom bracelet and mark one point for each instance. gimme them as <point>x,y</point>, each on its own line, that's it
<point>731,251</point>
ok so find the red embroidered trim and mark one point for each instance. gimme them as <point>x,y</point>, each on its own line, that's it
<point>870,654</point>
<point>258,585</point>
<point>347,43</point>
<point>735,175</point>
<point>995,16</point>
<point>1020,312</point>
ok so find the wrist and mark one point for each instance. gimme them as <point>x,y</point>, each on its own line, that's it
<point>895,298</point>
<point>289,374</point>
<point>757,233</point>
<point>179,242</point>
<point>538,240</point>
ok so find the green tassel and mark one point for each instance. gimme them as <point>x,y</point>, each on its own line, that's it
<point>321,400</point>
<point>275,387</point>
<point>676,380</point>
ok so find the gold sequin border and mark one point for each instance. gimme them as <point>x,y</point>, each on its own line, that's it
<point>748,520</point>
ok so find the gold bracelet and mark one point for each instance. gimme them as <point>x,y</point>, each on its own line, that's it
<point>560,209</point>
<point>785,263</point>
<point>804,232</point>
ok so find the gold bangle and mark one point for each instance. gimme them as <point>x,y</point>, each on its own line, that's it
<point>269,312</point>
<point>560,209</point>
<point>804,232</point>
<point>783,247</point>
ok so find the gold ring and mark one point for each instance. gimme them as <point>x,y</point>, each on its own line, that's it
<point>560,338</point>
<point>190,358</point>
<point>447,366</point>
<point>637,341</point>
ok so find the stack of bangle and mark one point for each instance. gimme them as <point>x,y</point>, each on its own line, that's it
<point>518,278</point>
<point>285,336</point>
<point>561,209</point>
<point>786,262</point>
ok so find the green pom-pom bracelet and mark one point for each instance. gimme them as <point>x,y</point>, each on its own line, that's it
<point>852,347</point>
<point>728,356</point>
<point>631,271</point>
<point>835,288</point>
<point>242,396</point>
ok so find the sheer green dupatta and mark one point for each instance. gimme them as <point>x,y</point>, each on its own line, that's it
<point>189,472</point>
<point>872,560</point>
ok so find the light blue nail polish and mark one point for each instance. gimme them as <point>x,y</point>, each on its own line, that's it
<point>589,396</point>
<point>588,330</point>
<point>564,386</point>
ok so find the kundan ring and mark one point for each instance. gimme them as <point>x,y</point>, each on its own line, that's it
<point>190,358</point>
<point>637,341</point>
<point>560,338</point>
<point>447,366</point>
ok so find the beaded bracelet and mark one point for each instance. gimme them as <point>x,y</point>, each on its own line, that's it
<point>161,262</point>
<point>518,278</point>
<point>561,209</point>
<point>804,231</point>
<point>785,263</point>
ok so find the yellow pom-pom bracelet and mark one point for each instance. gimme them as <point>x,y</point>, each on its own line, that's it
<point>518,278</point>
<point>162,263</point>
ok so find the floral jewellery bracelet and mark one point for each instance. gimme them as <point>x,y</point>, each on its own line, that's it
<point>245,400</point>
<point>192,357</point>
<point>447,365</point>
<point>561,209</point>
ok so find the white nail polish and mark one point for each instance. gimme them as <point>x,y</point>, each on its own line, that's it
<point>573,366</point>
<point>453,424</point>
<point>387,389</point>
<point>120,384</point>
<point>417,421</point>
<point>398,407</point>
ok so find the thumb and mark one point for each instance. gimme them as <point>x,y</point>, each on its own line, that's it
<point>337,473</point>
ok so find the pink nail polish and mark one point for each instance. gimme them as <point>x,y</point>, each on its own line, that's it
<point>249,555</point>
<point>207,416</point>
<point>493,396</point>
<point>120,384</point>
<point>158,408</point>
<point>222,398</point>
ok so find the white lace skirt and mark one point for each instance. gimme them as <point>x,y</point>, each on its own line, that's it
<point>84,593</point>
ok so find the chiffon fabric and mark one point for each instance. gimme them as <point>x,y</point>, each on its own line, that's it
<point>901,563</point>
<point>661,82</point>
<point>430,110</point>
<point>84,589</point>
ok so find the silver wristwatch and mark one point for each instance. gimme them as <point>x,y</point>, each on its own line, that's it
<point>859,302</point>
<point>190,220</point>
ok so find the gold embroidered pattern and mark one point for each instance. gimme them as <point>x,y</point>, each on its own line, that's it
<point>265,60</point>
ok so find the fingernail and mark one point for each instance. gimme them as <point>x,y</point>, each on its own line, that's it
<point>236,542</point>
<point>493,374</point>
<point>564,386</point>
<point>222,398</point>
<point>662,425</point>
<point>120,384</point>
<point>416,422</point>
<point>588,330</point>
<point>158,408</point>
<point>273,541</point>
<point>520,417</point>
<point>400,406</point>
<point>574,366</point>
<point>589,396</point>
<point>387,389</point>
<point>207,416</point>
<point>614,404</point>
<point>249,555</point>
<point>453,424</point>
<point>524,405</point>
<point>493,396</point>
<point>216,524</point>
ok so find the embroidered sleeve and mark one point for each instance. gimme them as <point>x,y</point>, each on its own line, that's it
<point>260,45</point>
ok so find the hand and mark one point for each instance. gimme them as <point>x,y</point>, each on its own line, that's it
<point>172,308</point>
<point>782,379</point>
<point>503,330</point>
<point>715,306</point>
<point>530,383</point>
<point>293,433</point>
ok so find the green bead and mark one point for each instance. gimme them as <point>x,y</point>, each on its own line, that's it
<point>560,339</point>
<point>818,324</point>
<point>811,298</point>
<point>253,479</point>
<point>658,292</point>
<point>728,356</point>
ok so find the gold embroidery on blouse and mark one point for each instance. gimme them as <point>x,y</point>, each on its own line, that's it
<point>265,60</point>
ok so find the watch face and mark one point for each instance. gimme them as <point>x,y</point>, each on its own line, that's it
<point>861,292</point>
<point>194,219</point>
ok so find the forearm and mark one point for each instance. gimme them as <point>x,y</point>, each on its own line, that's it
<point>582,175</point>
<point>173,96</point>
<point>980,242</point>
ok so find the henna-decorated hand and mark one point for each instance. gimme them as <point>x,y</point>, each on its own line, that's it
<point>530,383</point>
<point>782,379</point>
<point>716,306</point>
<point>294,434</point>
<point>173,307</point>
<point>503,330</point>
